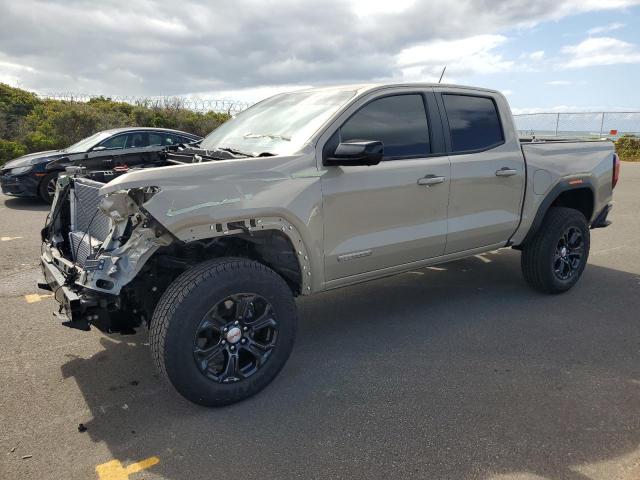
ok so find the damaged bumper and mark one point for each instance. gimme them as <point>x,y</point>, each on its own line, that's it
<point>72,311</point>
<point>53,280</point>
<point>81,305</point>
<point>87,267</point>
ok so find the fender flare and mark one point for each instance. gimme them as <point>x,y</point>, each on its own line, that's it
<point>229,228</point>
<point>561,187</point>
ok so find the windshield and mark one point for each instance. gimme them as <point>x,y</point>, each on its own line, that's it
<point>85,144</point>
<point>280,125</point>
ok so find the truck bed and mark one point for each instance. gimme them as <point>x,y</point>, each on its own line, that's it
<point>587,163</point>
<point>555,139</point>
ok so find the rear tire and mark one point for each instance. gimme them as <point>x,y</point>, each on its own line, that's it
<point>206,335</point>
<point>47,187</point>
<point>554,259</point>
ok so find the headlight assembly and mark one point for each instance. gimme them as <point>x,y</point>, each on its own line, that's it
<point>21,170</point>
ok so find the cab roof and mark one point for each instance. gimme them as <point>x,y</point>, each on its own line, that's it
<point>367,87</point>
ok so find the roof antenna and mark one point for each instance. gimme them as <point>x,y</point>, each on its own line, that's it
<point>442,74</point>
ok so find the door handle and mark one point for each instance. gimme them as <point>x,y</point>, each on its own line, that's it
<point>506,172</point>
<point>430,180</point>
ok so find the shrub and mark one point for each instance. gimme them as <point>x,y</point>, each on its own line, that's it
<point>15,105</point>
<point>628,148</point>
<point>30,124</point>
<point>9,150</point>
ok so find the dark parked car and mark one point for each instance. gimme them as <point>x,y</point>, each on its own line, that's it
<point>35,175</point>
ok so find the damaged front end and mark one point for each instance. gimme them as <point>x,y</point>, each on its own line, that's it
<point>93,249</point>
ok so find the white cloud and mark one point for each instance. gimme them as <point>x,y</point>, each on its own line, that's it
<point>605,28</point>
<point>592,5</point>
<point>11,73</point>
<point>249,95</point>
<point>537,55</point>
<point>571,7</point>
<point>507,93</point>
<point>600,51</point>
<point>139,47</point>
<point>559,82</point>
<point>365,8</point>
<point>473,55</point>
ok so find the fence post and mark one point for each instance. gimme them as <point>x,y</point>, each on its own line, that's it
<point>557,123</point>
<point>602,124</point>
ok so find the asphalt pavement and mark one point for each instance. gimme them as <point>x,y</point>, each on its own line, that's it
<point>452,372</point>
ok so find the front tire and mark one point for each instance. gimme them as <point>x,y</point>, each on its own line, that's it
<point>223,330</point>
<point>47,187</point>
<point>554,259</point>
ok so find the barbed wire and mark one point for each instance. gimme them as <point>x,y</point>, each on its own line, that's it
<point>197,104</point>
<point>579,123</point>
<point>543,123</point>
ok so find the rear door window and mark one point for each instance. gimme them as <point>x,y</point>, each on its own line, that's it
<point>474,122</point>
<point>399,122</point>
<point>172,139</point>
<point>136,140</point>
<point>165,139</point>
<point>155,139</point>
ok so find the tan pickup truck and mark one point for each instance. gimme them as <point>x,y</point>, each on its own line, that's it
<point>304,192</point>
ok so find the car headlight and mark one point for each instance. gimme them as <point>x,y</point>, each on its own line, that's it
<point>19,170</point>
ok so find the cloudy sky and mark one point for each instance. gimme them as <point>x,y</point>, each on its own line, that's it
<point>544,54</point>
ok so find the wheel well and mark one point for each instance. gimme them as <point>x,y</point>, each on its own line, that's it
<point>269,247</point>
<point>44,177</point>
<point>580,199</point>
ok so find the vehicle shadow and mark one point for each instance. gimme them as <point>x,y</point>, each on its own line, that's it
<point>19,203</point>
<point>462,372</point>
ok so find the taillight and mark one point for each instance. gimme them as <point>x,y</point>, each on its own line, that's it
<point>616,170</point>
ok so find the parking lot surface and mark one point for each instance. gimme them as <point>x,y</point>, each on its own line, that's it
<point>454,372</point>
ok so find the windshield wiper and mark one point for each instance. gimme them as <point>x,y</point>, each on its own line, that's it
<point>234,151</point>
<point>273,136</point>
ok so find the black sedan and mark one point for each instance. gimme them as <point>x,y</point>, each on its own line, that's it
<point>35,175</point>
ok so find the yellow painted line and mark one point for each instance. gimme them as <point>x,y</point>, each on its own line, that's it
<point>6,239</point>
<point>36,297</point>
<point>484,259</point>
<point>114,470</point>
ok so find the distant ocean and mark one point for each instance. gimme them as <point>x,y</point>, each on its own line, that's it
<point>573,133</point>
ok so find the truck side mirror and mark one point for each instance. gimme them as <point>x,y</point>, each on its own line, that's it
<point>361,152</point>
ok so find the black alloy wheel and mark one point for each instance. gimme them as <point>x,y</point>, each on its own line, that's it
<point>568,255</point>
<point>223,330</point>
<point>235,338</point>
<point>555,257</point>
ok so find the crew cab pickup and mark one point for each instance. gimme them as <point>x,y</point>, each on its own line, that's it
<point>305,192</point>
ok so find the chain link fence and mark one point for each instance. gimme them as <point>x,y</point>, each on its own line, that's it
<point>582,124</point>
<point>197,104</point>
<point>589,124</point>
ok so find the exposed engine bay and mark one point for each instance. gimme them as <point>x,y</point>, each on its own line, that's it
<point>113,260</point>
